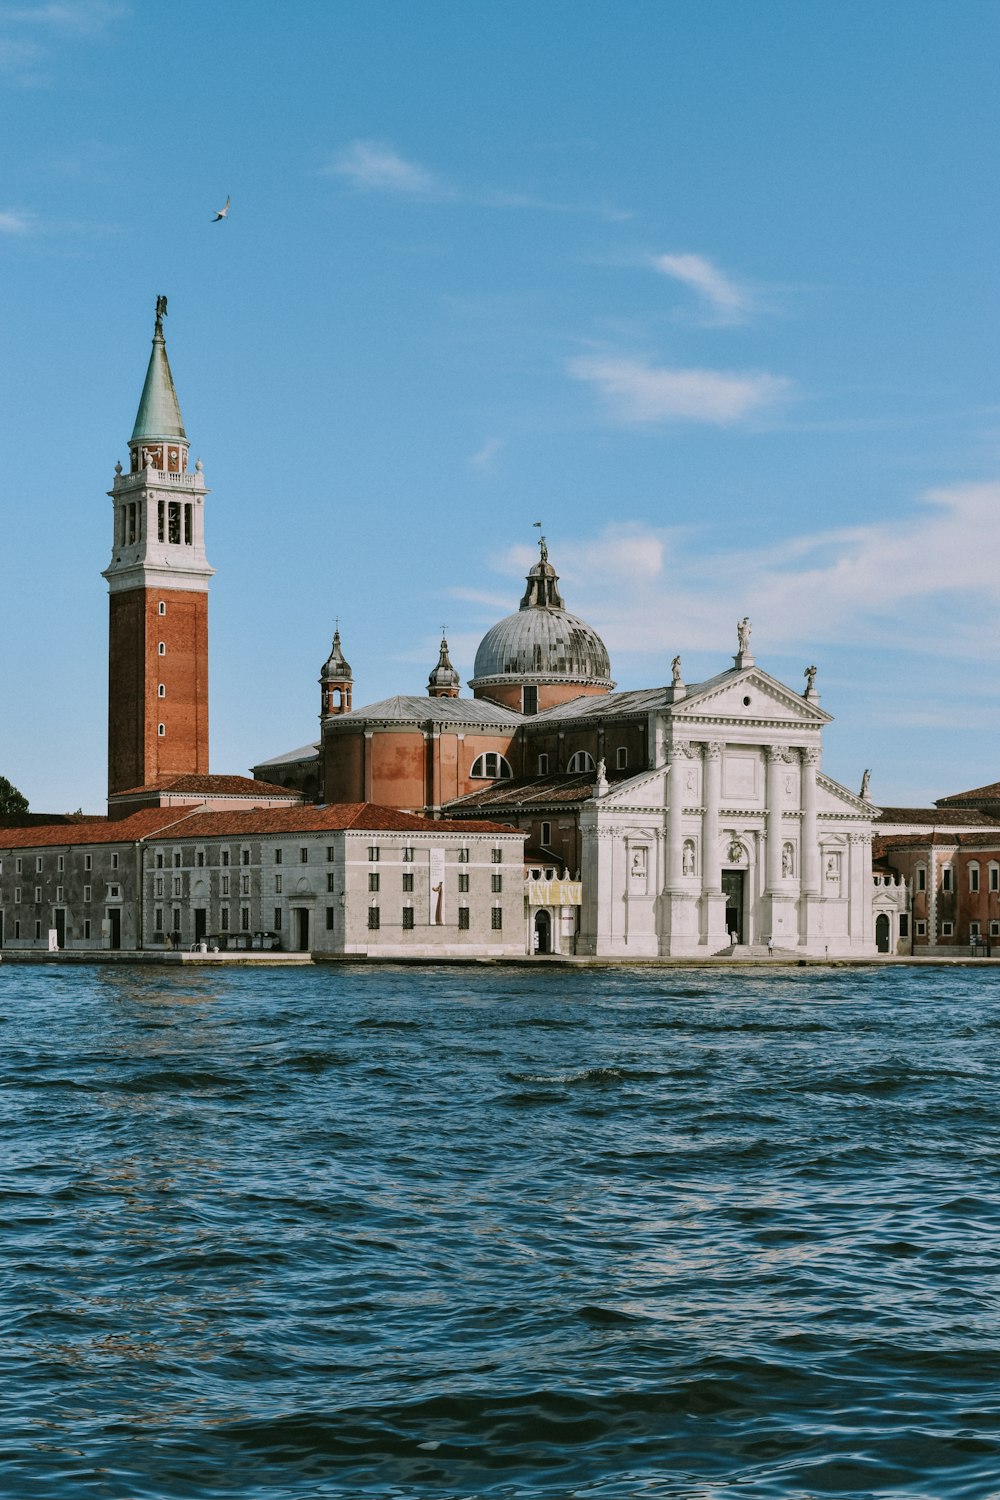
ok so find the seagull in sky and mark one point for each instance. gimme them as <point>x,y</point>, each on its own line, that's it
<point>223,213</point>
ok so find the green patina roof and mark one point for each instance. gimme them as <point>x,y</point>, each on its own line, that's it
<point>159,414</point>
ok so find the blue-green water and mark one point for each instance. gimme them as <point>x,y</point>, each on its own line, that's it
<point>526,1233</point>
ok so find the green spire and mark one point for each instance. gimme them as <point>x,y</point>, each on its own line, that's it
<point>159,414</point>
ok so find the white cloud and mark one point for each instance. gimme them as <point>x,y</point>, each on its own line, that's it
<point>484,458</point>
<point>640,392</point>
<point>81,16</point>
<point>377,166</point>
<point>12,222</point>
<point>729,302</point>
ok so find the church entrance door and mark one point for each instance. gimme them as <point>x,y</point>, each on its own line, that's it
<point>733,882</point>
<point>543,932</point>
<point>882,932</point>
<point>302,929</point>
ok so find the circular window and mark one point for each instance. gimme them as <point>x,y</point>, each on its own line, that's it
<point>746,702</point>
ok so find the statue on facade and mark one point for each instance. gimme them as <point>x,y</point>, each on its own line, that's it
<point>602,770</point>
<point>675,667</point>
<point>743,633</point>
<point>161,311</point>
<point>543,548</point>
<point>865,781</point>
<point>810,680</point>
<point>687,865</point>
<point>786,860</point>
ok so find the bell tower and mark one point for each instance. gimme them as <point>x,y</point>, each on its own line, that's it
<point>336,683</point>
<point>158,585</point>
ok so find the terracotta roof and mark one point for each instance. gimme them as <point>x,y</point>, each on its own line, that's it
<point>213,786</point>
<point>411,708</point>
<point>138,825</point>
<point>989,793</point>
<point>291,757</point>
<point>535,791</point>
<point>936,839</point>
<point>941,817</point>
<point>365,817</point>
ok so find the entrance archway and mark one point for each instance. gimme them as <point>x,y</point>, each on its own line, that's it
<point>734,889</point>
<point>543,932</point>
<point>882,932</point>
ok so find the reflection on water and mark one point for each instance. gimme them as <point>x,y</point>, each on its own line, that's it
<point>368,1232</point>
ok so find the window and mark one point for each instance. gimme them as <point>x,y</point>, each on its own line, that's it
<point>161,691</point>
<point>59,893</point>
<point>38,895</point>
<point>463,919</point>
<point>224,919</point>
<point>331,881</point>
<point>490,767</point>
<point>17,929</point>
<point>921,878</point>
<point>245,856</point>
<point>158,886</point>
<point>304,856</point>
<point>178,888</point>
<point>374,919</point>
<point>496,918</point>
<point>529,700</point>
<point>994,877</point>
<point>176,914</point>
<point>159,861</point>
<point>225,857</point>
<point>581,761</point>
<point>994,929</point>
<point>161,649</point>
<point>245,918</point>
<point>973,932</point>
<point>86,893</point>
<point>329,918</point>
<point>17,866</point>
<point>463,883</point>
<point>331,853</point>
<point>496,884</point>
<point>946,878</point>
<point>86,929</point>
<point>904,924</point>
<point>199,859</point>
<point>373,853</point>
<point>408,880</point>
<point>38,930</point>
<point>973,877</point>
<point>621,757</point>
<point>947,929</point>
<point>114,861</point>
<point>277,919</point>
<point>245,885</point>
<point>920,928</point>
<point>17,895</point>
<point>225,885</point>
<point>463,856</point>
<point>407,918</point>
<point>61,863</point>
<point>177,859</point>
<point>407,856</point>
<point>373,883</point>
<point>277,885</point>
<point>158,918</point>
<point>543,765</point>
<point>546,834</point>
<point>38,864</point>
<point>277,856</point>
<point>161,607</point>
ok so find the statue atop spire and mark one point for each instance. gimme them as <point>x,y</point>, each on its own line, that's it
<point>161,313</point>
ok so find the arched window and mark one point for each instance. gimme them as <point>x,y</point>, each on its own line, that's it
<point>490,767</point>
<point>581,761</point>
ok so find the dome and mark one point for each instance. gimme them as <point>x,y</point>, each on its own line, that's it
<point>542,641</point>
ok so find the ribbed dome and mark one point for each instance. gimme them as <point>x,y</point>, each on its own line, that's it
<point>542,640</point>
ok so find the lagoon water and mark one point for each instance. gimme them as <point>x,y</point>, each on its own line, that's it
<point>505,1232</point>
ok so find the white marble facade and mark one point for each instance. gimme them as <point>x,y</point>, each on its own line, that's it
<point>735,836</point>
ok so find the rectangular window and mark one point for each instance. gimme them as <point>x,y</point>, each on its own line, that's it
<point>529,700</point>
<point>331,853</point>
<point>463,919</point>
<point>158,886</point>
<point>38,895</point>
<point>174,522</point>
<point>38,863</point>
<point>158,918</point>
<point>373,880</point>
<point>177,859</point>
<point>496,884</point>
<point>407,856</point>
<point>199,859</point>
<point>17,866</point>
<point>621,757</point>
<point>407,918</point>
<point>17,929</point>
<point>373,853</point>
<point>904,924</point>
<point>178,888</point>
<point>61,863</point>
<point>86,893</point>
<point>920,928</point>
<point>225,857</point>
<point>973,877</point>
<point>463,883</point>
<point>463,856</point>
<point>277,856</point>
<point>329,918</point>
<point>17,895</point>
<point>114,892</point>
<point>331,880</point>
<point>187,525</point>
<point>176,916</point>
<point>374,918</point>
<point>224,919</point>
<point>161,537</point>
<point>973,932</point>
<point>994,929</point>
<point>304,856</point>
<point>277,885</point>
<point>497,856</point>
<point>114,861</point>
<point>408,880</point>
<point>245,918</point>
<point>277,919</point>
<point>225,885</point>
<point>543,765</point>
<point>245,885</point>
<point>946,878</point>
<point>947,929</point>
<point>159,860</point>
<point>496,918</point>
<point>921,879</point>
<point>38,931</point>
<point>546,835</point>
<point>59,893</point>
<point>995,877</point>
<point>86,929</point>
<point>245,856</point>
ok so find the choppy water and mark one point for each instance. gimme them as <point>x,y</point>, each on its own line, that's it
<point>506,1233</point>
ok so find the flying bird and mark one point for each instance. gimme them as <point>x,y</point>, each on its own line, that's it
<point>223,213</point>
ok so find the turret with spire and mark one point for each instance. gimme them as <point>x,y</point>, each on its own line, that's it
<point>336,683</point>
<point>444,681</point>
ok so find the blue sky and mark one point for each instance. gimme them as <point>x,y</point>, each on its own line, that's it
<point>710,288</point>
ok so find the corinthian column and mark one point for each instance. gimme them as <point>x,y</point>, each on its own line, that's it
<point>711,866</point>
<point>775,761</point>
<point>810,830</point>
<point>677,756</point>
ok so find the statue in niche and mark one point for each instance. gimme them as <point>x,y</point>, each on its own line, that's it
<point>638,864</point>
<point>735,851</point>
<point>675,668</point>
<point>832,868</point>
<point>743,633</point>
<point>787,860</point>
<point>810,680</point>
<point>687,864</point>
<point>865,783</point>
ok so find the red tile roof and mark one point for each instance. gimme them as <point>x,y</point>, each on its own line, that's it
<point>941,817</point>
<point>989,793</point>
<point>362,817</point>
<point>138,825</point>
<point>213,786</point>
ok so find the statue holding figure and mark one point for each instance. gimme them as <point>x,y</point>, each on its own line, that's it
<point>810,680</point>
<point>865,780</point>
<point>543,548</point>
<point>675,667</point>
<point>743,632</point>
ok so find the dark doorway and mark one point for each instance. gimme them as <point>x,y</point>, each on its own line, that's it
<point>543,932</point>
<point>200,923</point>
<point>733,883</point>
<point>60,917</point>
<point>882,929</point>
<point>115,926</point>
<point>302,929</point>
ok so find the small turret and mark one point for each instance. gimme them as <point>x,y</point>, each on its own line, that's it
<point>336,682</point>
<point>444,681</point>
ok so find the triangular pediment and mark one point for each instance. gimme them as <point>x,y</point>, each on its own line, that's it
<point>647,789</point>
<point>831,797</point>
<point>771,702</point>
